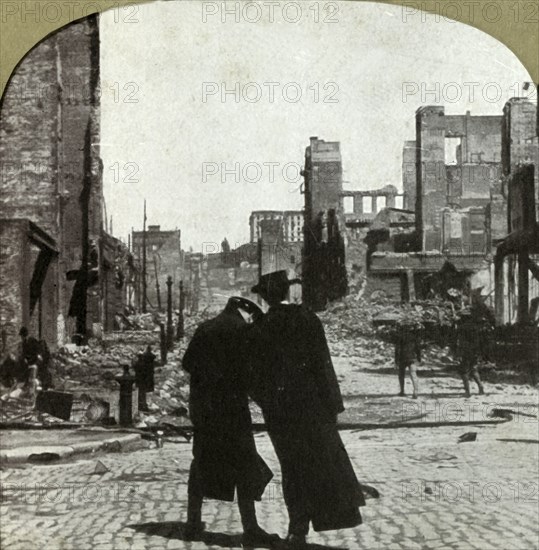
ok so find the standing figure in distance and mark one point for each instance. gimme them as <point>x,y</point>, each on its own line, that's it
<point>144,367</point>
<point>30,359</point>
<point>407,352</point>
<point>469,347</point>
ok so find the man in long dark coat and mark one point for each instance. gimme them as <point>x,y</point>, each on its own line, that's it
<point>294,382</point>
<point>224,450</point>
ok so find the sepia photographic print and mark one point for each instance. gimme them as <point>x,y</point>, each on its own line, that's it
<point>269,275</point>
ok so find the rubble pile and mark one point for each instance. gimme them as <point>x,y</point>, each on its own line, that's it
<point>358,328</point>
<point>136,321</point>
<point>91,367</point>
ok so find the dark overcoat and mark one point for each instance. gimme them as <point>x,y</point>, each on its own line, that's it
<point>224,449</point>
<point>294,382</point>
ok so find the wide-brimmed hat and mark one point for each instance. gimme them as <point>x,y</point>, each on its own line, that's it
<point>275,280</point>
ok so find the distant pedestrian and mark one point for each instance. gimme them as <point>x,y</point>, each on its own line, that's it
<point>469,348</point>
<point>29,361</point>
<point>144,367</point>
<point>407,352</point>
<point>225,458</point>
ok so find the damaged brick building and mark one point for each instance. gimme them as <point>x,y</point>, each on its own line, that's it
<point>517,252</point>
<point>463,177</point>
<point>460,201</point>
<point>337,223</point>
<point>324,271</point>
<point>51,190</point>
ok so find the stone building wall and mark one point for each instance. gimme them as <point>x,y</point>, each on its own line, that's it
<point>458,161</point>
<point>324,270</point>
<point>49,154</point>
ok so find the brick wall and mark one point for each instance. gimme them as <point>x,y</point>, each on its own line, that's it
<point>409,174</point>
<point>11,261</point>
<point>324,270</point>
<point>49,128</point>
<point>463,181</point>
<point>28,141</point>
<point>18,258</point>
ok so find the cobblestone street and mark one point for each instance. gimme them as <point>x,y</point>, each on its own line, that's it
<point>435,492</point>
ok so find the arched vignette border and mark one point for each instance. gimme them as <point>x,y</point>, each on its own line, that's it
<point>519,33</point>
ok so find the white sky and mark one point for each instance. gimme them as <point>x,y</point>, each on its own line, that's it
<point>163,58</point>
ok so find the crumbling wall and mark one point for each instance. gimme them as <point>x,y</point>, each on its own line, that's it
<point>409,174</point>
<point>11,283</point>
<point>29,139</point>
<point>466,181</point>
<point>324,269</point>
<point>50,103</point>
<point>431,174</point>
<point>20,262</point>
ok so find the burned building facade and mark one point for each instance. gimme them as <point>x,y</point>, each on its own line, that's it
<point>291,222</point>
<point>51,187</point>
<point>380,210</point>
<point>467,171</point>
<point>164,258</point>
<point>324,275</point>
<point>457,168</point>
<point>517,253</point>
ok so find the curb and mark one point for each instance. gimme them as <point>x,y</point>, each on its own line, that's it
<point>22,454</point>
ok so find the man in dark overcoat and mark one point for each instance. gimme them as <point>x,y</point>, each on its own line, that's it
<point>224,450</point>
<point>294,382</point>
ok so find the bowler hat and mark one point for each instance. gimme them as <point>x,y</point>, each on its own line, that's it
<point>276,279</point>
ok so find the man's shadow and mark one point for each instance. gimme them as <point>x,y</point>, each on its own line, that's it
<point>175,530</point>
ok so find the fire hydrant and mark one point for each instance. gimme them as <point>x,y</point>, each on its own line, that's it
<point>126,381</point>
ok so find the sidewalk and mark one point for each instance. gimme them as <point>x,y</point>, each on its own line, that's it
<point>435,494</point>
<point>30,445</point>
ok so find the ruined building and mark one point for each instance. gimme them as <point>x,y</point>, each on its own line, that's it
<point>164,257</point>
<point>290,220</point>
<point>468,169</point>
<point>458,167</point>
<point>324,270</point>
<point>517,253</point>
<point>51,188</point>
<point>377,213</point>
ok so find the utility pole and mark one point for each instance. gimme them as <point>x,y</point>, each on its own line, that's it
<point>170,328</point>
<point>157,288</point>
<point>84,201</point>
<point>144,298</point>
<point>180,332</point>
